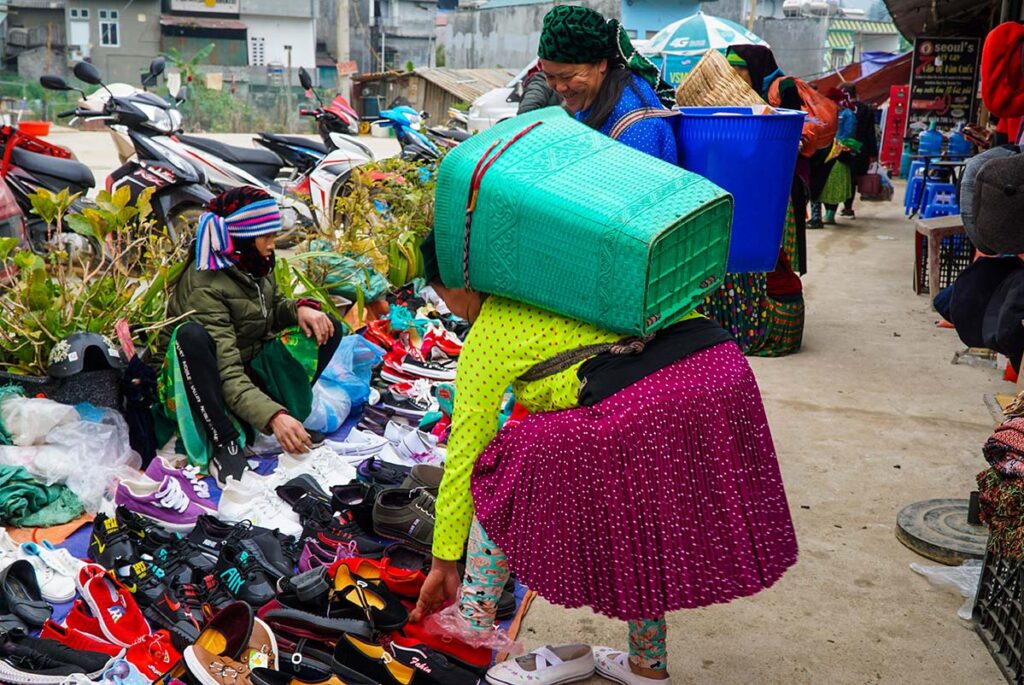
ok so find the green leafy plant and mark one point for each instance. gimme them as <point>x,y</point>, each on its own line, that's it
<point>56,295</point>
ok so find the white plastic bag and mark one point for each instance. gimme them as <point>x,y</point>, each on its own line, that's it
<point>331,406</point>
<point>29,419</point>
<point>963,579</point>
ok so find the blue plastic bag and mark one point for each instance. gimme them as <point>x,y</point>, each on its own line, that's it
<point>351,367</point>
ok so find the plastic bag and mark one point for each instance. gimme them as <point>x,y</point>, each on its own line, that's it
<point>29,420</point>
<point>351,366</point>
<point>331,406</point>
<point>90,457</point>
<point>346,274</point>
<point>963,579</point>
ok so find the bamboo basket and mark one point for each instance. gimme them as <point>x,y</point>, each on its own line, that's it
<point>714,83</point>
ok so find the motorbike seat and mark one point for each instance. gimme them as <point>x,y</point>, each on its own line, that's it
<point>452,134</point>
<point>296,141</point>
<point>73,172</point>
<point>233,154</point>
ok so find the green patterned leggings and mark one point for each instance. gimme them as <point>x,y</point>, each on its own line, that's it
<point>487,572</point>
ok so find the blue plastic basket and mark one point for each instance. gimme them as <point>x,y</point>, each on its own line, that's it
<point>753,156</point>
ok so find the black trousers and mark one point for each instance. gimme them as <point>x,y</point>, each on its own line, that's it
<point>197,358</point>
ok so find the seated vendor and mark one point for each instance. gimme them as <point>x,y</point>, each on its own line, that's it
<point>244,358</point>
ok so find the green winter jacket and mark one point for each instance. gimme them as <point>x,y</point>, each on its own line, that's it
<point>240,314</point>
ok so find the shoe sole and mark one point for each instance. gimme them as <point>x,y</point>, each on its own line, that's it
<point>609,676</point>
<point>173,527</point>
<point>412,543</point>
<point>429,374</point>
<point>9,674</point>
<point>573,679</point>
<point>196,669</point>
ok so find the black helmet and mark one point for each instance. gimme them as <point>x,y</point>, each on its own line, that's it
<point>84,352</point>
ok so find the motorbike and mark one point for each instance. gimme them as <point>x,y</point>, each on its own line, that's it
<point>336,123</point>
<point>179,192</point>
<point>457,119</point>
<point>406,122</point>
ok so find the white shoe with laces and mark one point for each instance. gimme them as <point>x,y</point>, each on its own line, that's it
<point>57,579</point>
<point>254,499</point>
<point>358,444</point>
<point>545,666</point>
<point>323,463</point>
<point>614,665</point>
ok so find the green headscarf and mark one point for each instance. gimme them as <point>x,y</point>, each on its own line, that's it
<point>580,35</point>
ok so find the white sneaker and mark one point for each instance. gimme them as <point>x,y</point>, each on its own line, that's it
<point>414,445</point>
<point>614,665</point>
<point>254,499</point>
<point>358,444</point>
<point>545,666</point>
<point>323,463</point>
<point>56,581</point>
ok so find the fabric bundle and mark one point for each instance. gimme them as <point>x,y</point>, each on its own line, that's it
<point>27,503</point>
<point>1001,503</point>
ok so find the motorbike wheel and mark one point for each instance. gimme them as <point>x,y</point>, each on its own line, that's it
<point>182,221</point>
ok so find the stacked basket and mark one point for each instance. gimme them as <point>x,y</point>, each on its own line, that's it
<point>713,82</point>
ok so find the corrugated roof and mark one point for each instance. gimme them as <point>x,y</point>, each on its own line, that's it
<point>492,4</point>
<point>942,17</point>
<point>863,26</point>
<point>466,84</point>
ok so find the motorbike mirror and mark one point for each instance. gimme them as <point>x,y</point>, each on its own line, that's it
<point>87,72</point>
<point>305,80</point>
<point>54,83</point>
<point>182,94</point>
<point>424,115</point>
<point>156,67</point>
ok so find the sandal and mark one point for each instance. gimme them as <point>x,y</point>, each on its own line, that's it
<point>400,581</point>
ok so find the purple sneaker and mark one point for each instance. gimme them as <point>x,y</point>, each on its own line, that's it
<point>164,502</point>
<point>197,489</point>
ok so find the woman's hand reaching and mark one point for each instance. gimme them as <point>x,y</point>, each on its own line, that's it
<point>440,588</point>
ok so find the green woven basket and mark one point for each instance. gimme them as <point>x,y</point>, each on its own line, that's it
<point>574,222</point>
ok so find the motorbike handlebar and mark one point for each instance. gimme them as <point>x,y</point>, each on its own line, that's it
<point>307,112</point>
<point>67,113</point>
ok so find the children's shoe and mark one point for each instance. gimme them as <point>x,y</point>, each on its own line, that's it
<point>112,605</point>
<point>123,672</point>
<point>153,654</point>
<point>165,502</point>
<point>545,666</point>
<point>188,477</point>
<point>76,639</point>
<point>613,665</point>
<point>54,573</point>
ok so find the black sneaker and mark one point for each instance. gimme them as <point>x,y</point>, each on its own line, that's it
<point>357,498</point>
<point>430,667</point>
<point>413,407</point>
<point>182,561</point>
<point>160,605</point>
<point>273,556</point>
<point>25,659</point>
<point>302,487</point>
<point>318,523</point>
<point>215,595</point>
<point>145,534</point>
<point>192,597</point>
<point>109,544</point>
<point>242,576</point>
<point>228,461</point>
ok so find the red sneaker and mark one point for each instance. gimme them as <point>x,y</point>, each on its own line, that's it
<point>78,640</point>
<point>379,333</point>
<point>81,620</point>
<point>119,617</point>
<point>444,340</point>
<point>475,658</point>
<point>153,654</point>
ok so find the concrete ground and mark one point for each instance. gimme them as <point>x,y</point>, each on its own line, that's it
<point>868,417</point>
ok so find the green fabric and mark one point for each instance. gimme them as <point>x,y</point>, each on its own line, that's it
<point>239,313</point>
<point>285,367</point>
<point>27,503</point>
<point>839,186</point>
<point>579,35</point>
<point>5,391</point>
<point>735,60</point>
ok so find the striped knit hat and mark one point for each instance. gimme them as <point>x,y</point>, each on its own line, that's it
<point>214,246</point>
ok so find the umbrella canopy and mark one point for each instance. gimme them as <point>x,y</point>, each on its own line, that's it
<point>678,47</point>
<point>698,33</point>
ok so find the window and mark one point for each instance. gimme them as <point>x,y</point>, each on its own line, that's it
<point>110,29</point>
<point>79,13</point>
<point>257,51</point>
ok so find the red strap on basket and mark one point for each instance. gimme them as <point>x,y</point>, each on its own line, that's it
<point>474,190</point>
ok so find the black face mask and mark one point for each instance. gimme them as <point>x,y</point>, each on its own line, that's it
<point>251,261</point>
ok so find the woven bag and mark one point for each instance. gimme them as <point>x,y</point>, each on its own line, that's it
<point>714,83</point>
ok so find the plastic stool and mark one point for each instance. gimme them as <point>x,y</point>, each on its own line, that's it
<point>912,194</point>
<point>939,200</point>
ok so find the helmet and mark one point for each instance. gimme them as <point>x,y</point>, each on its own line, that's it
<point>84,352</point>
